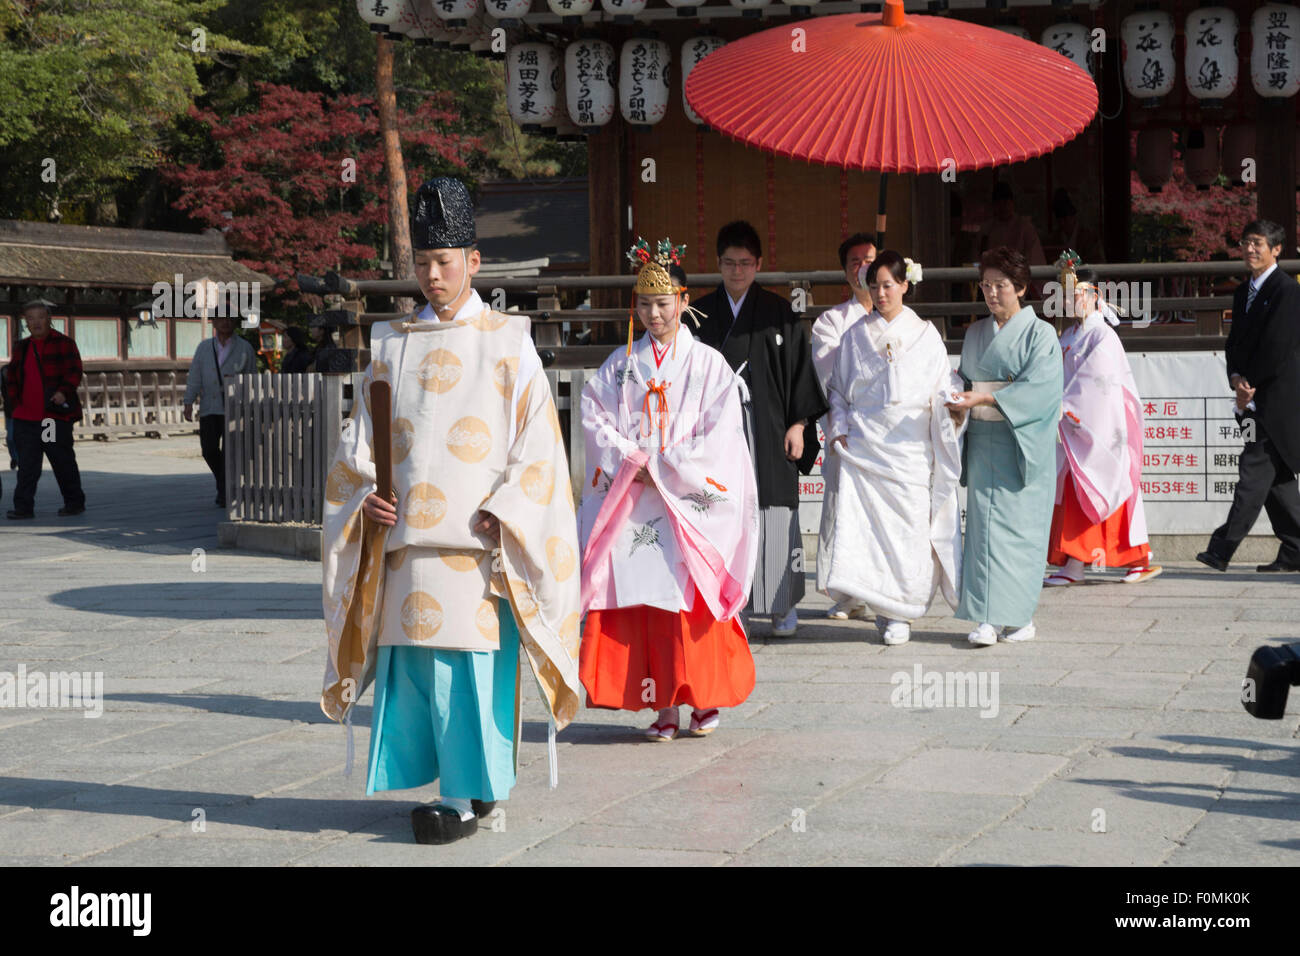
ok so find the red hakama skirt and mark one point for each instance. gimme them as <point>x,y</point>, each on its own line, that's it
<point>1075,536</point>
<point>690,657</point>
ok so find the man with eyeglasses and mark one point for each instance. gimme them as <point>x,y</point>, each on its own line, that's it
<point>1263,358</point>
<point>761,338</point>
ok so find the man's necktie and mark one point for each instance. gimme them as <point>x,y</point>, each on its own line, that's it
<point>1250,295</point>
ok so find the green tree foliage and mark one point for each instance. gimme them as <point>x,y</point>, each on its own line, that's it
<point>88,90</point>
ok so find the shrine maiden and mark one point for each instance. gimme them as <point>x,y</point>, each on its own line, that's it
<point>1099,518</point>
<point>669,518</point>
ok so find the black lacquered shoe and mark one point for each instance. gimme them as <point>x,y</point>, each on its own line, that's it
<point>1212,560</point>
<point>19,515</point>
<point>438,825</point>
<point>1274,566</point>
<point>66,512</point>
<point>482,808</point>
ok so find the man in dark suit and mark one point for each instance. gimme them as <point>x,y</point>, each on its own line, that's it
<point>761,337</point>
<point>1263,354</point>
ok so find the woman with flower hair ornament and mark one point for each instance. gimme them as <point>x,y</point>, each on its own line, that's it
<point>669,517</point>
<point>898,528</point>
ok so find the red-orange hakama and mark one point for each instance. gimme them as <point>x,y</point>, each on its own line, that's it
<point>690,657</point>
<point>1074,535</point>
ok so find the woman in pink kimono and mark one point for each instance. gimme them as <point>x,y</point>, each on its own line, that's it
<point>669,518</point>
<point>1098,519</point>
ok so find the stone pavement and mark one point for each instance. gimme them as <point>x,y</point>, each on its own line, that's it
<point>1117,737</point>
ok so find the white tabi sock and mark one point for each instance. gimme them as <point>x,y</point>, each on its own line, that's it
<point>461,806</point>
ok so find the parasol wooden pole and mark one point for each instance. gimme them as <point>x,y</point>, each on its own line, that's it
<point>381,414</point>
<point>880,212</point>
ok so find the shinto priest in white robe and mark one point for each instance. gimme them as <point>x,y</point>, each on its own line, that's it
<point>474,428</point>
<point>898,533</point>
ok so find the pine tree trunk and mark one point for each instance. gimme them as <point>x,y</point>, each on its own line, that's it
<point>399,222</point>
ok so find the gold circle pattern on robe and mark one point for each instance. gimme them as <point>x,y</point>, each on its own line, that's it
<point>460,560</point>
<point>421,616</point>
<point>538,482</point>
<point>342,483</point>
<point>440,371</point>
<point>487,622</point>
<point>488,321</point>
<point>426,505</point>
<point>560,557</point>
<point>403,439</point>
<point>469,439</point>
<point>504,374</point>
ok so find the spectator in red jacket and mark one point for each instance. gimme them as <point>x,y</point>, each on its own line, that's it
<point>42,385</point>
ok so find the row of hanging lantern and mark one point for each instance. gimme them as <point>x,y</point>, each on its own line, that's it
<point>1210,59</point>
<point>587,79</point>
<point>1207,152</point>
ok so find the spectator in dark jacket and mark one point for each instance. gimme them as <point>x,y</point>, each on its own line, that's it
<point>298,358</point>
<point>9,422</point>
<point>42,385</point>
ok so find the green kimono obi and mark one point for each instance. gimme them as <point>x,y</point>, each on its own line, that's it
<point>1009,467</point>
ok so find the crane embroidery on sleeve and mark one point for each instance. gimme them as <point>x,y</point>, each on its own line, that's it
<point>646,535</point>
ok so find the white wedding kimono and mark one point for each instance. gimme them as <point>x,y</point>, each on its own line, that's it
<point>898,532</point>
<point>827,333</point>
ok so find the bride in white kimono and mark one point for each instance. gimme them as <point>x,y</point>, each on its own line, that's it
<point>898,531</point>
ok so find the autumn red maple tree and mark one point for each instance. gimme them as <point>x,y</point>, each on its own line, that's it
<point>300,184</point>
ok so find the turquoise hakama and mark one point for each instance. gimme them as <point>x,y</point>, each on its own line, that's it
<point>1009,467</point>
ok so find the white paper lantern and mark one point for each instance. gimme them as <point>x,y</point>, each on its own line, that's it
<point>1069,39</point>
<point>508,11</point>
<point>750,8</point>
<point>643,80</point>
<point>381,14</point>
<point>623,11</point>
<point>686,8</point>
<point>1275,50</point>
<point>570,11</point>
<point>1210,58</point>
<point>1201,157</point>
<point>457,13</point>
<point>1148,40</point>
<point>1014,31</point>
<point>589,73</point>
<point>532,81</point>
<point>408,25</point>
<point>693,51</point>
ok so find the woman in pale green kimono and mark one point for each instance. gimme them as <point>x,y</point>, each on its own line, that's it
<point>1011,362</point>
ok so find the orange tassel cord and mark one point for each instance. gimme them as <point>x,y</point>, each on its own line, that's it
<point>658,418</point>
<point>715,484</point>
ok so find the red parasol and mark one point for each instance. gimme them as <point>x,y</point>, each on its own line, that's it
<point>891,93</point>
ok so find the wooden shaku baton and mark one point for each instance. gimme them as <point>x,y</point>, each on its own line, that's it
<point>381,415</point>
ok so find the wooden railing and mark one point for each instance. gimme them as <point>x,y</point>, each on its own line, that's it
<point>132,403</point>
<point>281,432</point>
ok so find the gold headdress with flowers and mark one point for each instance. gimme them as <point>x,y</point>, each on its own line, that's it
<point>652,275</point>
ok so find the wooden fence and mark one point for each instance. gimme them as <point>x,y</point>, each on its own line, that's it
<point>132,403</point>
<point>281,432</point>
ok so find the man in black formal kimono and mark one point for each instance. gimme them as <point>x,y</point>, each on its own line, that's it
<point>1263,354</point>
<point>761,338</point>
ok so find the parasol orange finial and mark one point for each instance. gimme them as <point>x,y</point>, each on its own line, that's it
<point>893,13</point>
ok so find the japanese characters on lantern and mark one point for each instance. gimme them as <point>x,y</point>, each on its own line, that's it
<point>589,82</point>
<point>532,81</point>
<point>693,51</point>
<point>1275,50</point>
<point>1210,54</point>
<point>1148,54</point>
<point>643,80</point>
